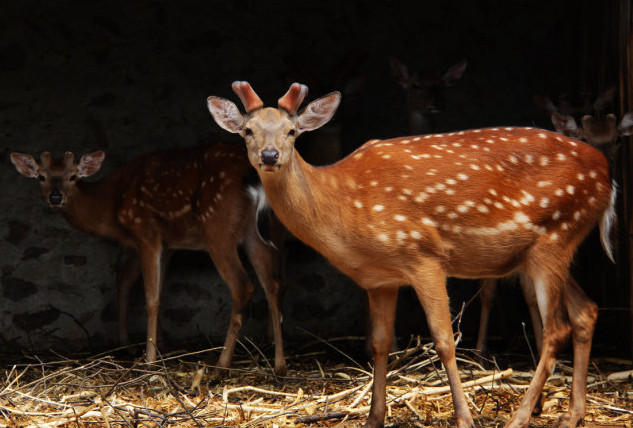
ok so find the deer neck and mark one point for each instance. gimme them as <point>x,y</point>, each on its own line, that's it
<point>299,195</point>
<point>90,209</point>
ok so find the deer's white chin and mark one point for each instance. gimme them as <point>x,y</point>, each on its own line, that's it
<point>269,168</point>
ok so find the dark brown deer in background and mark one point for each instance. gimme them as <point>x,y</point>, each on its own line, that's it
<point>197,199</point>
<point>415,210</point>
<point>424,92</point>
<point>598,129</point>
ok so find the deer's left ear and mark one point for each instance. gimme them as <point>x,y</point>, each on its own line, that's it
<point>226,114</point>
<point>318,112</point>
<point>25,164</point>
<point>90,163</point>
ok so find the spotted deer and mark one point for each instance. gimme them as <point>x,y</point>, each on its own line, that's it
<point>196,199</point>
<point>415,210</point>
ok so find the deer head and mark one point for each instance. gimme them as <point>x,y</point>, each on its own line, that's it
<point>597,131</point>
<point>424,91</point>
<point>58,177</point>
<point>270,133</point>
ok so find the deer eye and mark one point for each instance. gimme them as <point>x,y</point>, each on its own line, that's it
<point>248,132</point>
<point>291,133</point>
<point>73,177</point>
<point>41,178</point>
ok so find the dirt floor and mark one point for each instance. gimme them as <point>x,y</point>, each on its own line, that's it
<point>324,387</point>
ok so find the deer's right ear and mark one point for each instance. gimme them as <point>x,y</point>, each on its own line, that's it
<point>90,163</point>
<point>25,164</point>
<point>226,114</point>
<point>318,112</point>
<point>626,126</point>
<point>566,125</point>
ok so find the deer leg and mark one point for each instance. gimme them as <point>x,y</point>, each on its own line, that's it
<point>382,310</point>
<point>488,287</point>
<point>431,290</point>
<point>261,257</point>
<point>582,314</point>
<point>151,264</point>
<point>530,299</point>
<point>126,276</point>
<point>556,330</point>
<point>230,268</point>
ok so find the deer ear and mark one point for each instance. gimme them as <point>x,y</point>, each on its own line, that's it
<point>25,164</point>
<point>226,114</point>
<point>318,112</point>
<point>90,163</point>
<point>566,125</point>
<point>454,73</point>
<point>400,72</point>
<point>626,126</point>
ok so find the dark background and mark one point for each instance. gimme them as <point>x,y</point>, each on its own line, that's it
<point>130,77</point>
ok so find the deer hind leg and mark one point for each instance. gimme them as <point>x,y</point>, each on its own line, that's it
<point>430,286</point>
<point>126,276</point>
<point>530,299</point>
<point>262,259</point>
<point>488,289</point>
<point>548,286</point>
<point>382,311</point>
<point>582,313</point>
<point>230,268</point>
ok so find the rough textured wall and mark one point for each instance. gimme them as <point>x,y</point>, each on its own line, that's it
<point>132,77</point>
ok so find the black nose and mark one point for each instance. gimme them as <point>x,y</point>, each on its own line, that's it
<point>56,197</point>
<point>270,157</point>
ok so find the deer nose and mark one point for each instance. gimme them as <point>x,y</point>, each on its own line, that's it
<point>270,156</point>
<point>55,197</point>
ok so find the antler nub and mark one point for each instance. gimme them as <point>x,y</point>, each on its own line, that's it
<point>248,96</point>
<point>293,98</point>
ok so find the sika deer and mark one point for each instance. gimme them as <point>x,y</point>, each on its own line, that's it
<point>198,198</point>
<point>415,210</point>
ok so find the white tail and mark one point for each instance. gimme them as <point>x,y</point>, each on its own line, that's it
<point>199,198</point>
<point>414,210</point>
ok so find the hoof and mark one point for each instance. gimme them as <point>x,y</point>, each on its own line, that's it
<point>566,421</point>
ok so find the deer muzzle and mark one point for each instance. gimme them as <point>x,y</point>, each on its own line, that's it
<point>55,198</point>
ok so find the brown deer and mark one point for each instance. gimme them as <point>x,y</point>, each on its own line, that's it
<point>415,210</point>
<point>197,198</point>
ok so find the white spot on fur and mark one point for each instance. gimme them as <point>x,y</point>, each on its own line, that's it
<point>415,234</point>
<point>513,159</point>
<point>544,160</point>
<point>399,217</point>
<point>560,157</point>
<point>427,221</point>
<point>542,135</point>
<point>421,197</point>
<point>544,202</point>
<point>482,208</point>
<point>383,237</point>
<point>378,207</point>
<point>544,183</point>
<point>462,176</point>
<point>570,189</point>
<point>440,209</point>
<point>559,192</point>
<point>358,204</point>
<point>556,215</point>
